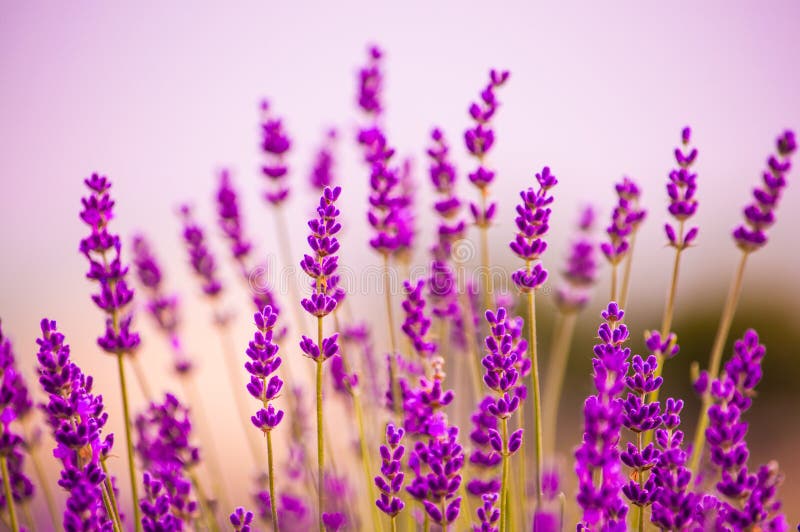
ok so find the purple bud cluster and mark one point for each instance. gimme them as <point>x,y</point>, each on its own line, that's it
<point>448,206</point>
<point>436,465</point>
<point>580,272</point>
<point>167,455</point>
<point>488,514</point>
<point>370,84</point>
<point>102,250</point>
<point>321,268</point>
<point>625,220</point>
<point>385,199</point>
<point>241,519</point>
<point>390,481</point>
<point>747,499</point>
<point>416,324</point>
<point>322,174</point>
<point>479,140</point>
<point>681,189</point>
<point>76,417</point>
<point>163,307</point>
<point>406,214</point>
<point>15,404</point>
<point>598,456</point>
<point>200,258</point>
<point>264,361</point>
<point>483,456</point>
<point>230,217</point>
<point>760,215</point>
<point>502,376</point>
<point>641,416</point>
<point>275,143</point>
<point>533,222</point>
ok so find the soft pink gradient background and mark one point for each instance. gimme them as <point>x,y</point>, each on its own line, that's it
<point>159,95</point>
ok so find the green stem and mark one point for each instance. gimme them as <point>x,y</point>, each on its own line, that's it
<point>724,328</point>
<point>394,523</point>
<point>626,277</point>
<point>504,478</point>
<point>556,371</point>
<point>365,461</point>
<point>392,338</point>
<point>537,397</point>
<point>273,506</point>
<point>111,497</point>
<point>109,508</point>
<point>320,431</point>
<point>12,513</point>
<point>614,271</point>
<point>484,235</point>
<point>129,442</point>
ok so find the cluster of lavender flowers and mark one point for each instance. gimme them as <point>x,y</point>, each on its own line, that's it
<point>632,463</point>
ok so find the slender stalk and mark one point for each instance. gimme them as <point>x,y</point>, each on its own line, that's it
<point>392,338</point>
<point>112,499</point>
<point>556,371</point>
<point>426,522</point>
<point>273,503</point>
<point>394,523</point>
<point>144,386</point>
<point>445,528</point>
<point>44,485</point>
<point>236,386</point>
<point>626,276</point>
<point>504,478</point>
<point>320,441</point>
<point>12,513</point>
<point>724,328</point>
<point>365,461</point>
<point>614,271</point>
<point>484,235</point>
<point>109,509</point>
<point>129,441</point>
<point>537,397</point>
<point>203,500</point>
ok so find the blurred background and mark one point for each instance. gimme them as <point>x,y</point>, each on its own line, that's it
<point>160,96</point>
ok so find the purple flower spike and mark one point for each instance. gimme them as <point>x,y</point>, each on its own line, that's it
<point>200,258</point>
<point>385,214</point>
<point>448,206</point>
<point>275,144</point>
<point>263,362</point>
<point>417,324</point>
<point>241,519</point>
<point>322,174</point>
<point>580,272</point>
<point>682,189</point>
<point>370,83</point>
<point>230,217</point>
<point>760,215</point>
<point>76,418</point>
<point>102,250</point>
<point>479,140</point>
<point>155,505</point>
<point>488,514</point>
<point>163,307</point>
<point>533,219</point>
<point>625,220</point>
<point>391,480</point>
<point>599,455</point>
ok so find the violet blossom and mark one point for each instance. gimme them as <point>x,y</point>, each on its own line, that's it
<point>275,143</point>
<point>681,189</point>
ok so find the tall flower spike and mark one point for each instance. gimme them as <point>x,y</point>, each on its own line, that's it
<point>275,144</point>
<point>322,172</point>
<point>325,295</point>
<point>370,84</point>
<point>626,218</point>
<point>747,499</point>
<point>200,258</point>
<point>230,217</point>
<point>580,272</point>
<point>760,214</point>
<point>682,189</point>
<point>390,481</point>
<point>448,205</point>
<point>598,456</point>
<point>417,324</point>
<point>76,418</point>
<point>102,250</point>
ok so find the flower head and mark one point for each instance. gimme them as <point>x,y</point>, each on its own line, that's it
<point>682,189</point>
<point>200,258</point>
<point>275,143</point>
<point>625,220</point>
<point>370,83</point>
<point>265,384</point>
<point>580,272</point>
<point>322,171</point>
<point>390,481</point>
<point>230,217</point>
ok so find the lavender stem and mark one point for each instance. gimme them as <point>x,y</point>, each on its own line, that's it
<point>109,508</point>
<point>392,338</point>
<point>112,499</point>
<point>320,441</point>
<point>128,437</point>
<point>537,397</point>
<point>504,480</point>
<point>12,514</point>
<point>273,506</point>
<point>556,370</point>
<point>626,276</point>
<point>716,358</point>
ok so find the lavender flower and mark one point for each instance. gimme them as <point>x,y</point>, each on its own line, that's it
<point>391,480</point>
<point>533,222</point>
<point>230,218</point>
<point>241,519</point>
<point>479,140</point>
<point>370,84</point>
<point>625,220</point>
<point>102,250</point>
<point>488,514</point>
<point>598,455</point>
<point>274,143</point>
<point>448,206</point>
<point>322,174</point>
<point>164,308</point>
<point>681,189</point>
<point>580,272</point>
<point>200,258</point>
<point>760,215</point>
<point>483,456</point>
<point>385,202</point>
<point>417,324</point>
<point>747,499</point>
<point>76,417</point>
<point>156,516</point>
<point>264,384</point>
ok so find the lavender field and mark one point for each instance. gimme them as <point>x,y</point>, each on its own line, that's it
<point>377,268</point>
